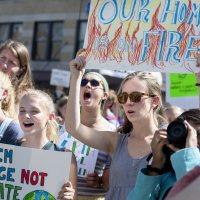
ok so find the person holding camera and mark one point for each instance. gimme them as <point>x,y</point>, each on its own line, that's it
<point>174,153</point>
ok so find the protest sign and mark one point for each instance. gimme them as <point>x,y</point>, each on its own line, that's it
<point>183,85</point>
<point>29,174</point>
<point>181,90</point>
<point>60,78</point>
<point>86,156</point>
<point>143,35</point>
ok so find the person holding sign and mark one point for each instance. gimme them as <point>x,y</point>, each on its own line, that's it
<point>37,120</point>
<point>15,61</point>
<point>140,97</point>
<point>173,155</point>
<point>10,130</point>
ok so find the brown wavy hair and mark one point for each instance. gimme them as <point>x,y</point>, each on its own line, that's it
<point>23,80</point>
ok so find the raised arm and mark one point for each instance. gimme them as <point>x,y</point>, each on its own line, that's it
<point>102,140</point>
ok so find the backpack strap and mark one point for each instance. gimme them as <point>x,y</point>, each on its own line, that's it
<point>53,147</point>
<point>4,126</point>
<point>48,146</point>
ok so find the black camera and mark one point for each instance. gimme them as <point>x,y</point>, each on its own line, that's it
<point>177,133</point>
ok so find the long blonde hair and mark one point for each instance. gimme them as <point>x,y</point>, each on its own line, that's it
<point>153,89</point>
<point>7,103</point>
<point>47,102</point>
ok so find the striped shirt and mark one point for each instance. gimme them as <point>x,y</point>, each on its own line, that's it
<point>83,188</point>
<point>103,162</point>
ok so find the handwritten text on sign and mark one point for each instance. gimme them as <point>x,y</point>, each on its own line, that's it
<point>148,35</point>
<point>28,174</point>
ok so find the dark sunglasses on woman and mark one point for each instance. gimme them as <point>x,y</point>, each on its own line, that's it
<point>133,96</point>
<point>93,82</point>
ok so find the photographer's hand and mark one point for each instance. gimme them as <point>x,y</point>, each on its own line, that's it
<point>158,141</point>
<point>191,140</point>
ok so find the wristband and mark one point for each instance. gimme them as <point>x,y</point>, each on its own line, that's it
<point>154,169</point>
<point>197,84</point>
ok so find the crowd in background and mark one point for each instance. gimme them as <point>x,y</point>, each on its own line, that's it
<point>127,127</point>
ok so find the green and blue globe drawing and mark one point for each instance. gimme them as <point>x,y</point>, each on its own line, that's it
<point>39,195</point>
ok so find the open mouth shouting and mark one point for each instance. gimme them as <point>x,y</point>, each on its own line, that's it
<point>28,124</point>
<point>87,96</point>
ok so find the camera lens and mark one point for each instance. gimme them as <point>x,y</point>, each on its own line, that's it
<point>177,133</point>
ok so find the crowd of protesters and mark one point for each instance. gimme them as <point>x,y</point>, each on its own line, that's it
<point>130,147</point>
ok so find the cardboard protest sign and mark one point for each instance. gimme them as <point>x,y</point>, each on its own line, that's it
<point>181,90</point>
<point>143,35</point>
<point>86,156</point>
<point>29,174</point>
<point>60,77</point>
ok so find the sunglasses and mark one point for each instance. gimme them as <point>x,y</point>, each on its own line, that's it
<point>133,96</point>
<point>93,82</point>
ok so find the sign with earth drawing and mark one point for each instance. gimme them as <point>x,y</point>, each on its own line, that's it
<point>30,174</point>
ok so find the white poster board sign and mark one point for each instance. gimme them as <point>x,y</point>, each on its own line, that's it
<point>143,35</point>
<point>60,78</point>
<point>86,156</point>
<point>29,174</point>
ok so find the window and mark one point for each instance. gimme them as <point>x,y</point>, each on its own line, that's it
<point>47,42</point>
<point>80,36</point>
<point>10,31</point>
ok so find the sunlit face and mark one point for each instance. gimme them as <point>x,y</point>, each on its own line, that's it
<point>91,95</point>
<point>141,110</point>
<point>9,64</point>
<point>32,115</point>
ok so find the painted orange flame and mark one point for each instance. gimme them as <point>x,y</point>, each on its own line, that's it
<point>183,28</point>
<point>154,40</point>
